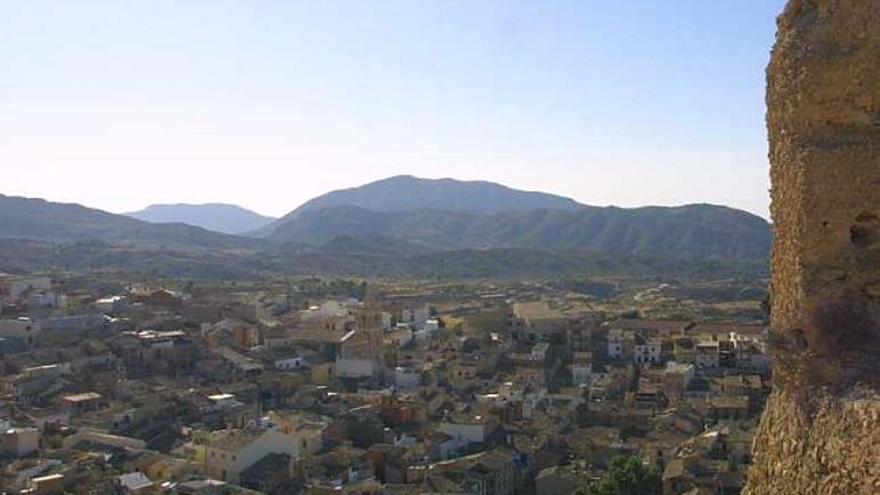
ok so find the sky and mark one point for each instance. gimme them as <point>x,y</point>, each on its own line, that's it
<point>266,104</point>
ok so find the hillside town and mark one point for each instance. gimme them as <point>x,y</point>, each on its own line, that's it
<point>323,387</point>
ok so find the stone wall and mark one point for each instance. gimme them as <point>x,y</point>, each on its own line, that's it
<point>821,430</point>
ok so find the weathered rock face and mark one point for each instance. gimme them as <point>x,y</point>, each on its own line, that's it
<point>821,430</point>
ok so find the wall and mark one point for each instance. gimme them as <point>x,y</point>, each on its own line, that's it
<point>821,430</point>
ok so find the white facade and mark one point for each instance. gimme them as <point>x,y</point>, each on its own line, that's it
<point>539,352</point>
<point>20,328</point>
<point>581,373</point>
<point>648,353</point>
<point>686,371</point>
<point>432,325</point>
<point>416,315</point>
<point>290,364</point>
<point>227,463</point>
<point>355,368</point>
<point>466,433</point>
<point>615,344</point>
<point>21,442</point>
<point>16,287</point>
<point>406,378</point>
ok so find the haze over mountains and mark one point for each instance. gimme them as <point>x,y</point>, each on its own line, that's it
<point>41,220</point>
<point>395,221</point>
<point>219,217</point>
<point>448,215</point>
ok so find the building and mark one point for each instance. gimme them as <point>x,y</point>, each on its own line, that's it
<point>231,452</point>
<point>23,329</point>
<point>582,368</point>
<point>648,351</point>
<point>468,430</point>
<point>708,355</point>
<point>533,321</point>
<point>21,442</point>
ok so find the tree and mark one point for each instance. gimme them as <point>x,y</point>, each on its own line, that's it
<point>627,476</point>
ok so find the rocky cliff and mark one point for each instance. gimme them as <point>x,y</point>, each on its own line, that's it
<point>821,430</point>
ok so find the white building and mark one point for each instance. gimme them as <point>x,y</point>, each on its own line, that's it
<point>539,352</point>
<point>291,364</point>
<point>20,328</point>
<point>415,315</point>
<point>680,374</point>
<point>467,431</point>
<point>582,368</point>
<point>346,367</point>
<point>615,343</point>
<point>21,442</point>
<point>16,287</point>
<point>406,378</point>
<point>109,304</point>
<point>648,351</point>
<point>232,451</point>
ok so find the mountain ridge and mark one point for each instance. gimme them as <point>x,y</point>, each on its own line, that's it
<point>700,231</point>
<point>41,220</point>
<point>338,237</point>
<point>218,217</point>
<point>407,192</point>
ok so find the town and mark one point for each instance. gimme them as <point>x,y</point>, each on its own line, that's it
<point>170,386</point>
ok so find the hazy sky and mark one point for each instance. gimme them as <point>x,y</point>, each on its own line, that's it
<point>266,104</point>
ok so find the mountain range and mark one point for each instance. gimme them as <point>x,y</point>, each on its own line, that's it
<point>41,220</point>
<point>404,224</point>
<point>219,217</point>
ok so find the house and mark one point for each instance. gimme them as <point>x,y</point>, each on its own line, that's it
<point>580,333</point>
<point>468,430</point>
<point>406,378</point>
<point>581,368</point>
<point>291,363</point>
<point>708,355</point>
<point>539,352</point>
<point>561,480</point>
<point>359,355</point>
<point>80,403</point>
<point>14,288</point>
<point>22,329</point>
<point>647,351</point>
<point>49,484</point>
<point>685,350</point>
<point>492,472</point>
<point>230,452</point>
<point>21,442</point>
<point>148,349</point>
<point>676,379</point>
<point>417,315</point>
<point>308,432</point>
<point>732,407</point>
<point>268,474</point>
<point>536,320</point>
<point>620,344</point>
<point>134,484</point>
<point>107,305</point>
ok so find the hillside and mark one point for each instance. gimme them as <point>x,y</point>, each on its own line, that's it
<point>458,241</point>
<point>694,231</point>
<point>404,192</point>
<point>23,256</point>
<point>38,219</point>
<point>218,217</point>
